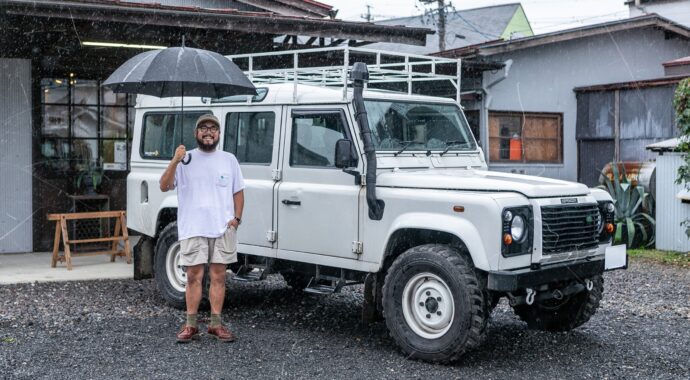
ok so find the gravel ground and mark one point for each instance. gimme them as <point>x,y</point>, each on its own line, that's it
<point>123,329</point>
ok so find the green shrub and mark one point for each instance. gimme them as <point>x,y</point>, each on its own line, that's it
<point>634,208</point>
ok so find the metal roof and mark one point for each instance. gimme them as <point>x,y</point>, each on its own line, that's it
<point>463,28</point>
<point>498,47</point>
<point>216,19</point>
<point>665,146</point>
<point>678,62</point>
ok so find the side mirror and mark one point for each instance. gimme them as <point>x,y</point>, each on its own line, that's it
<point>345,156</point>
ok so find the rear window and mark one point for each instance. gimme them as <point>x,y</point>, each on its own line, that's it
<point>163,132</point>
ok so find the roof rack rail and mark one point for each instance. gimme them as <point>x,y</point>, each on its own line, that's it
<point>330,67</point>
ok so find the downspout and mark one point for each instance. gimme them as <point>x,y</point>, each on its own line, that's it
<point>359,75</point>
<point>486,101</point>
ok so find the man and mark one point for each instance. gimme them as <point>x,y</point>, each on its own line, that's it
<point>210,203</point>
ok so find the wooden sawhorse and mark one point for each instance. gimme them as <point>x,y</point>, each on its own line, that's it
<point>120,233</point>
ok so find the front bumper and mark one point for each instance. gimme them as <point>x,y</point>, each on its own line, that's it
<point>509,281</point>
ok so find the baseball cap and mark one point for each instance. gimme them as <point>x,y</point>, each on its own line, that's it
<point>207,117</point>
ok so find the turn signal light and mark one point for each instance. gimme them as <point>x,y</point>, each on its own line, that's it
<point>610,228</point>
<point>507,239</point>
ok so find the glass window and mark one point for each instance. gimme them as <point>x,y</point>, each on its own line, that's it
<point>55,121</point>
<point>114,120</point>
<point>55,91</point>
<point>161,134</point>
<point>525,137</point>
<point>83,122</point>
<point>314,136</point>
<point>417,126</point>
<point>85,91</point>
<point>249,136</point>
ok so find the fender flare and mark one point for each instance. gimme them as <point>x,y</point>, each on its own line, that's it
<point>461,228</point>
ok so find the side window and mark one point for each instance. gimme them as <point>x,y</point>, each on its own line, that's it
<point>314,135</point>
<point>249,136</point>
<point>162,133</point>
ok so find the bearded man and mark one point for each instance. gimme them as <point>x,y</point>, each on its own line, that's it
<point>210,204</point>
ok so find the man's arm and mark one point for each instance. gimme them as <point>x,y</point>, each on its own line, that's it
<point>167,181</point>
<point>238,199</point>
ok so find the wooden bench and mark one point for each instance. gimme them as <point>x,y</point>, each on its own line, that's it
<point>120,233</point>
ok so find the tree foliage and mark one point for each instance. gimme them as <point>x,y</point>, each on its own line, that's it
<point>681,104</point>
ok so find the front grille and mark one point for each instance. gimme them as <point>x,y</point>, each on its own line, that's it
<point>569,228</point>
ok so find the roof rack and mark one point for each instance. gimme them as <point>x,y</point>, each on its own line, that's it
<point>331,66</point>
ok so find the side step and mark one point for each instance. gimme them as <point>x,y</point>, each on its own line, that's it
<point>252,273</point>
<point>324,284</point>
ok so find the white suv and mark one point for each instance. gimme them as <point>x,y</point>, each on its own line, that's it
<point>348,186</point>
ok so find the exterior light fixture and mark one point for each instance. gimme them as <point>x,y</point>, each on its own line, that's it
<point>119,45</point>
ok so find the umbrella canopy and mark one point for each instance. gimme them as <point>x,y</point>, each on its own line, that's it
<point>180,71</point>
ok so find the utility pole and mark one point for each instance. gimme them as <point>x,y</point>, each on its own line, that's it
<point>441,25</point>
<point>367,16</point>
<point>441,10</point>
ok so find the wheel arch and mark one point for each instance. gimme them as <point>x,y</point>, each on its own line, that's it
<point>425,228</point>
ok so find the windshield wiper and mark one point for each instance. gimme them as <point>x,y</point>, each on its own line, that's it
<point>452,143</point>
<point>405,145</point>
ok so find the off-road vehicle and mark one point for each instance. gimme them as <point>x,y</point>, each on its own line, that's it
<point>349,185</point>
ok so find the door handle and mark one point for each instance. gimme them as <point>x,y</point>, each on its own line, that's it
<point>291,203</point>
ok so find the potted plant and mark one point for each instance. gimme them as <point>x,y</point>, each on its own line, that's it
<point>90,177</point>
<point>634,209</point>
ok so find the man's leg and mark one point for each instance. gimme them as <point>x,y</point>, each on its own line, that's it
<point>217,296</point>
<point>195,274</point>
<point>217,291</point>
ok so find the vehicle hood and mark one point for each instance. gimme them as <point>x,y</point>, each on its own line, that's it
<point>480,180</point>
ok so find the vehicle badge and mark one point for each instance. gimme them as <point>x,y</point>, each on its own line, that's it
<point>568,200</point>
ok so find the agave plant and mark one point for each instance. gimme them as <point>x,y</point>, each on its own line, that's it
<point>634,208</point>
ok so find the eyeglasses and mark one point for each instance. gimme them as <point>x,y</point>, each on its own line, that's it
<point>205,128</point>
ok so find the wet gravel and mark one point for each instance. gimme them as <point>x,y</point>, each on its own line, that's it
<point>123,329</point>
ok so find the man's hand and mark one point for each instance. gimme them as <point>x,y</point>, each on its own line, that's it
<point>180,152</point>
<point>234,223</point>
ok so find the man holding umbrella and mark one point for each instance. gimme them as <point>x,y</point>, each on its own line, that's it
<point>210,204</point>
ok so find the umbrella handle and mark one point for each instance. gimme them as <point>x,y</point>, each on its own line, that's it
<point>188,158</point>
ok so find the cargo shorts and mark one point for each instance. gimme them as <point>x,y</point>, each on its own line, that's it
<point>203,250</point>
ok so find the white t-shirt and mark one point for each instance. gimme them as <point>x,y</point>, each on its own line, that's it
<point>205,190</point>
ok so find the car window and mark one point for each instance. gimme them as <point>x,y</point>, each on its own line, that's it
<point>249,136</point>
<point>314,136</point>
<point>162,133</point>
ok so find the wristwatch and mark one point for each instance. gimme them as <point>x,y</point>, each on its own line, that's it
<point>239,221</point>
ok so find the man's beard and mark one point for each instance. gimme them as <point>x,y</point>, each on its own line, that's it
<point>206,147</point>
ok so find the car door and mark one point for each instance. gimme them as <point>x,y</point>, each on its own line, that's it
<point>253,136</point>
<point>317,202</point>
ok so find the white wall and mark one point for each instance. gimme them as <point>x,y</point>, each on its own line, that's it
<point>670,212</point>
<point>542,79</point>
<point>675,10</point>
<point>15,156</point>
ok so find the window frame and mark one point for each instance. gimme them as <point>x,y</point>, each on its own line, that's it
<point>523,116</point>
<point>276,126</point>
<point>143,131</point>
<point>100,106</point>
<point>316,111</point>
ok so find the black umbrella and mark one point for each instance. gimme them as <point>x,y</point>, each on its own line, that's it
<point>180,71</point>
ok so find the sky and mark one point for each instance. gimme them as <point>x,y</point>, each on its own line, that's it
<point>544,15</point>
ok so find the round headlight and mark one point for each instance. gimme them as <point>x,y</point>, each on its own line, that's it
<point>507,216</point>
<point>517,228</point>
<point>610,208</point>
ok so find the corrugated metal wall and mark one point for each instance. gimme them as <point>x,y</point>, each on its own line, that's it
<point>15,156</point>
<point>670,212</point>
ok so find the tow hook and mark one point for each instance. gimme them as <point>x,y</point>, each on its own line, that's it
<point>558,295</point>
<point>530,296</point>
<point>589,285</point>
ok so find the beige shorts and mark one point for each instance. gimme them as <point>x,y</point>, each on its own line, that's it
<point>202,250</point>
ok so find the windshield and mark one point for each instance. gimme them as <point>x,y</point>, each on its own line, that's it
<point>400,126</point>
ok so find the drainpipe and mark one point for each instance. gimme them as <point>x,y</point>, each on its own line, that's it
<point>486,102</point>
